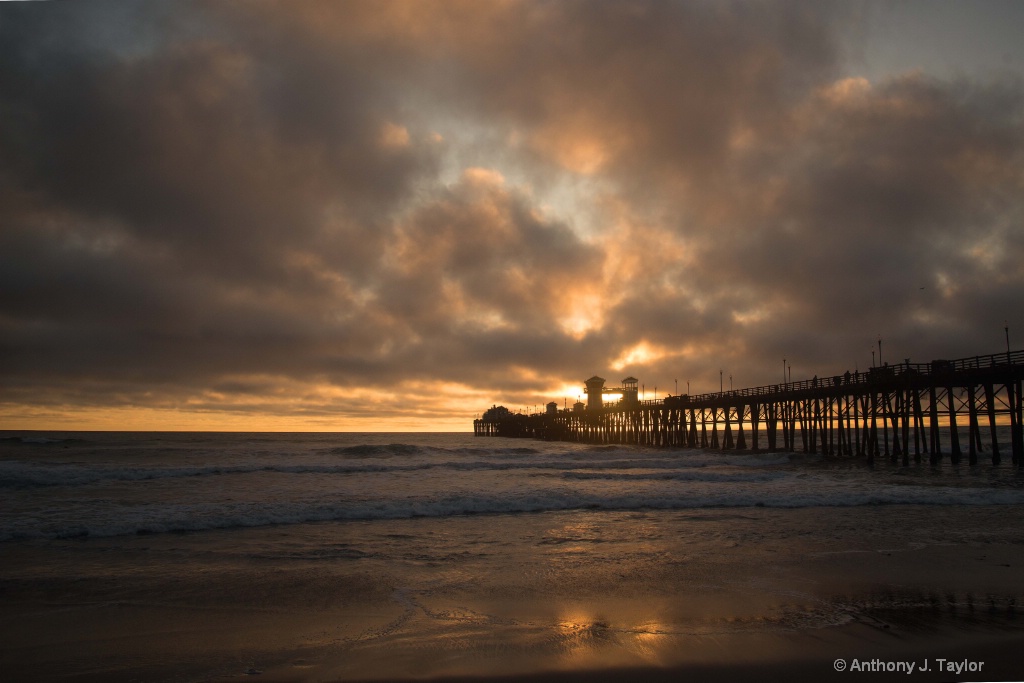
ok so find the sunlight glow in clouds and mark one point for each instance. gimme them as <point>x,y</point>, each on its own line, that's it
<point>640,354</point>
<point>390,215</point>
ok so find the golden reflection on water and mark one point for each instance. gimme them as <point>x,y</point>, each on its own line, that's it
<point>649,640</point>
<point>589,638</point>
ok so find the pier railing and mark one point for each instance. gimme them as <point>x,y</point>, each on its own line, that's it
<point>876,374</point>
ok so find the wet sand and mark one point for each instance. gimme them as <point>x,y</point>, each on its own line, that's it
<point>732,594</point>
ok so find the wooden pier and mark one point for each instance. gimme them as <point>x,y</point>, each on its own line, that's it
<point>897,412</point>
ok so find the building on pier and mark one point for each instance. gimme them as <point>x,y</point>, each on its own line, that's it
<point>630,394</point>
<point>595,393</point>
<point>627,394</point>
<point>497,413</point>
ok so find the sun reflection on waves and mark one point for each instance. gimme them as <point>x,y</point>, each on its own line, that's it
<point>589,638</point>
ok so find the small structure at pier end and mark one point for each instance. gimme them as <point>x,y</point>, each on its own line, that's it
<point>892,411</point>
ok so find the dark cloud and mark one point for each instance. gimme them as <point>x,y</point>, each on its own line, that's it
<point>367,208</point>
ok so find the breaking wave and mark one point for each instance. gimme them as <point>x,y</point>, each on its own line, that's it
<point>155,519</point>
<point>21,475</point>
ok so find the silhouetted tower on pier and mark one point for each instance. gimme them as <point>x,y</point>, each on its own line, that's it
<point>595,393</point>
<point>630,393</point>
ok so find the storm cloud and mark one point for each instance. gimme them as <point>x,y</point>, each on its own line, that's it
<point>393,214</point>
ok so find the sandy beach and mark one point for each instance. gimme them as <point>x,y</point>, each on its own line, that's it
<point>747,594</point>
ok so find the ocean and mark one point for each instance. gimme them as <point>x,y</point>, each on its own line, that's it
<point>113,484</point>
<point>196,556</point>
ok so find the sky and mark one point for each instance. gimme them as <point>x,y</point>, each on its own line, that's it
<point>389,216</point>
